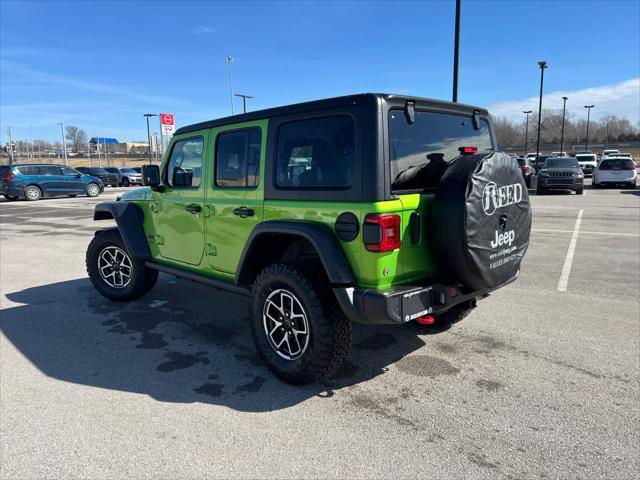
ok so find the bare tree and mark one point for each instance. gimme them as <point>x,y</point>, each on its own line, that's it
<point>76,137</point>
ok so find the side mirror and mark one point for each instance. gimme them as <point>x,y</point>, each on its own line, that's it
<point>151,176</point>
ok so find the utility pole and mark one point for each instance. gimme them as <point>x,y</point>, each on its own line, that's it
<point>456,50</point>
<point>586,140</point>
<point>543,65</point>
<point>229,60</point>
<point>526,131</point>
<point>564,108</point>
<point>149,115</point>
<point>10,145</point>
<point>64,144</point>
<point>244,101</point>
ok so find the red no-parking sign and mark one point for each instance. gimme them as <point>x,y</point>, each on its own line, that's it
<point>167,119</point>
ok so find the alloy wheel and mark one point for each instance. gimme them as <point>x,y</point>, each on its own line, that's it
<point>114,266</point>
<point>32,193</point>
<point>285,324</point>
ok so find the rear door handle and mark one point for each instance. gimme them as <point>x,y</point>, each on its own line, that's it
<point>243,212</point>
<point>193,208</point>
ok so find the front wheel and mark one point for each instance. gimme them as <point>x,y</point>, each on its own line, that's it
<point>539,191</point>
<point>114,273</point>
<point>93,190</point>
<point>299,331</point>
<point>580,191</point>
<point>32,193</point>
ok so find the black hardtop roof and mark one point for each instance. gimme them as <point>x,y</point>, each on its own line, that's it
<point>336,102</point>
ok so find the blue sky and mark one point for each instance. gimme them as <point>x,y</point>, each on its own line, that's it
<point>101,65</point>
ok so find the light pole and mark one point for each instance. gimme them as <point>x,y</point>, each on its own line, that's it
<point>149,115</point>
<point>229,60</point>
<point>64,144</point>
<point>564,108</point>
<point>543,65</point>
<point>586,140</point>
<point>244,101</point>
<point>11,160</point>
<point>456,50</point>
<point>526,130</point>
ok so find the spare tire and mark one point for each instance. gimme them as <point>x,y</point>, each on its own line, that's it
<point>481,221</point>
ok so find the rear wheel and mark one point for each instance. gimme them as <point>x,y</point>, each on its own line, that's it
<point>540,191</point>
<point>11,198</point>
<point>299,331</point>
<point>114,273</point>
<point>527,181</point>
<point>93,190</point>
<point>126,182</point>
<point>32,193</point>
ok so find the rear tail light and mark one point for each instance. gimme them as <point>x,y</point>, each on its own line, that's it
<point>630,167</point>
<point>381,233</point>
<point>468,150</point>
<point>525,169</point>
<point>11,176</point>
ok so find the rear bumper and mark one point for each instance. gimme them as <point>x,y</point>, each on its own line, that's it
<point>403,304</point>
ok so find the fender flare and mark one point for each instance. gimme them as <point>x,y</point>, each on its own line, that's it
<point>320,236</point>
<point>129,218</point>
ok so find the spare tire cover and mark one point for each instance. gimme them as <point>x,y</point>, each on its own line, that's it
<point>481,220</point>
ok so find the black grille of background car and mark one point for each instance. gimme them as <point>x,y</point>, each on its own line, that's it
<point>560,181</point>
<point>560,174</point>
<point>109,178</point>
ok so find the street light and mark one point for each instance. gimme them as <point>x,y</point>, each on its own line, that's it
<point>229,60</point>
<point>149,115</point>
<point>543,65</point>
<point>456,50</point>
<point>244,101</point>
<point>526,130</point>
<point>64,144</point>
<point>586,141</point>
<point>564,108</point>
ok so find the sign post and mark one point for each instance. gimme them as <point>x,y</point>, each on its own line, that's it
<point>167,129</point>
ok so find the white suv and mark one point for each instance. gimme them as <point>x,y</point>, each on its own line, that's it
<point>608,153</point>
<point>614,170</point>
<point>587,162</point>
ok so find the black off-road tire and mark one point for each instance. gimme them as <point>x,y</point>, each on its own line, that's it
<point>11,198</point>
<point>329,329</point>
<point>142,278</point>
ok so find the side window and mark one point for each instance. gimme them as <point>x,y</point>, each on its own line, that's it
<point>185,164</point>
<point>316,153</point>
<point>48,170</point>
<point>68,171</point>
<point>27,170</point>
<point>238,158</point>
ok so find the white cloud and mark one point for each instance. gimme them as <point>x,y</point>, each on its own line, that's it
<point>203,29</point>
<point>620,99</point>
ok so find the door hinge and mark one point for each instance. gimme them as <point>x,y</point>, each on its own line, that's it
<point>210,249</point>
<point>208,210</point>
<point>155,239</point>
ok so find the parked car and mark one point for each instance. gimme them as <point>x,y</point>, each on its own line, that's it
<point>560,173</point>
<point>116,172</point>
<point>106,177</point>
<point>34,181</point>
<point>130,176</point>
<point>355,235</point>
<point>615,171</point>
<point>528,170</point>
<point>137,170</point>
<point>558,154</point>
<point>626,155</point>
<point>587,162</point>
<point>607,153</point>
<point>538,163</point>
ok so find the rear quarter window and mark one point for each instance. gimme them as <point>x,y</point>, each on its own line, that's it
<point>316,153</point>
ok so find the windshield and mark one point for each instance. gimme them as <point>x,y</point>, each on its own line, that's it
<point>97,170</point>
<point>434,138</point>
<point>561,162</point>
<point>586,158</point>
<point>128,170</point>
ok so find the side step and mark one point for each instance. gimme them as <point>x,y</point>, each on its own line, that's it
<point>195,277</point>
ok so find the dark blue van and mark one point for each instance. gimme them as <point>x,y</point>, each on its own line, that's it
<point>34,181</point>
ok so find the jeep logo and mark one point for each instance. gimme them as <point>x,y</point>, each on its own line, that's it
<point>505,238</point>
<point>494,197</point>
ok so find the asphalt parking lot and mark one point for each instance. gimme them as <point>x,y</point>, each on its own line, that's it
<point>541,381</point>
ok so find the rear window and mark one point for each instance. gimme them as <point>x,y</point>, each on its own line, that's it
<point>433,138</point>
<point>522,162</point>
<point>317,153</point>
<point>5,172</point>
<point>620,164</point>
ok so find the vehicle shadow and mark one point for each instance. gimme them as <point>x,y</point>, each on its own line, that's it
<point>181,343</point>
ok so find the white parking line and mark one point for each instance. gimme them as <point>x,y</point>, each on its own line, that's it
<point>568,261</point>
<point>544,230</point>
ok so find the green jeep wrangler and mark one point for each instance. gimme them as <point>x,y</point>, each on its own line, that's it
<point>372,208</point>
